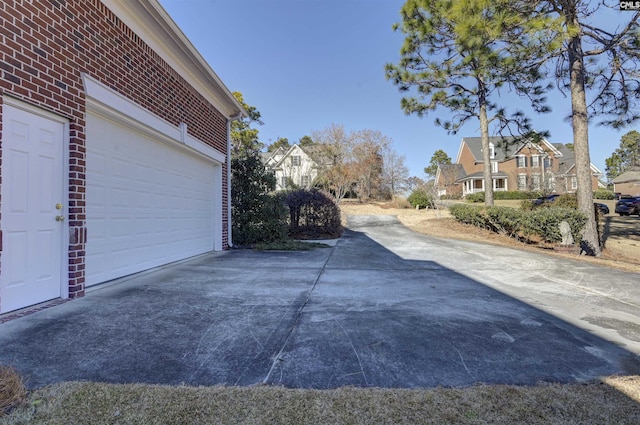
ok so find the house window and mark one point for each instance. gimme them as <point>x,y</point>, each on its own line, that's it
<point>535,179</point>
<point>535,161</point>
<point>522,182</point>
<point>574,183</point>
<point>305,181</point>
<point>494,166</point>
<point>548,162</point>
<point>522,161</point>
<point>478,184</point>
<point>295,160</point>
<point>500,184</point>
<point>492,150</point>
<point>551,182</point>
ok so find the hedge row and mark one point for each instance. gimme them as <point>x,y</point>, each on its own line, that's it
<point>542,222</point>
<point>522,194</point>
<point>511,194</point>
<point>604,194</point>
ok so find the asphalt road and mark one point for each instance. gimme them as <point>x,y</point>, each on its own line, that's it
<point>385,307</point>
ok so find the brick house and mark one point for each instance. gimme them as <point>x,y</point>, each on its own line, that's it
<point>542,166</point>
<point>628,183</point>
<point>115,146</point>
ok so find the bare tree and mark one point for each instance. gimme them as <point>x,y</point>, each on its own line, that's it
<point>351,161</point>
<point>337,173</point>
<point>395,173</point>
<point>368,160</point>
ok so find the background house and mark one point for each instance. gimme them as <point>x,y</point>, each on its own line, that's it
<point>115,146</point>
<point>294,167</point>
<point>515,165</point>
<point>628,183</point>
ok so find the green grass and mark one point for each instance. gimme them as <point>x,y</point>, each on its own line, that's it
<point>95,403</point>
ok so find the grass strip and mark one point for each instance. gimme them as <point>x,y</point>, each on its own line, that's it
<point>615,400</point>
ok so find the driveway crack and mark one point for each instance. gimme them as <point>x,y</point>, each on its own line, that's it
<point>279,357</point>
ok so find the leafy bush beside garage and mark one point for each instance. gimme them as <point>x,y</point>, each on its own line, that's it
<point>543,223</point>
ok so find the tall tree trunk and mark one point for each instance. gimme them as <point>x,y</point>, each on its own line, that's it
<point>580,121</point>
<point>486,151</point>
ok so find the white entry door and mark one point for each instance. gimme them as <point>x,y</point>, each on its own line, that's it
<point>32,208</point>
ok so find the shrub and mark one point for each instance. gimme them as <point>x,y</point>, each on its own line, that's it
<point>475,197</point>
<point>527,205</point>
<point>565,201</point>
<point>420,198</point>
<point>256,215</point>
<point>516,194</point>
<point>504,220</point>
<point>266,224</point>
<point>469,214</point>
<point>313,214</point>
<point>604,194</point>
<point>542,222</point>
<point>545,222</point>
<point>505,195</point>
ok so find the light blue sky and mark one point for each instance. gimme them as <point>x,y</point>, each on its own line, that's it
<point>305,64</point>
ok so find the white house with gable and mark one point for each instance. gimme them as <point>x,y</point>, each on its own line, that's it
<point>294,167</point>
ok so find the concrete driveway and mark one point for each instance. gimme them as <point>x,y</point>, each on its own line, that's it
<point>385,307</point>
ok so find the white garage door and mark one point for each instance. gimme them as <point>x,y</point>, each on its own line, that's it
<point>148,203</point>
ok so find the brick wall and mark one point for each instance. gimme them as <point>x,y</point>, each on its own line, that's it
<point>44,47</point>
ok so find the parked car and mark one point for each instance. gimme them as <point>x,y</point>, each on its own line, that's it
<point>628,205</point>
<point>603,208</point>
<point>541,200</point>
<point>635,206</point>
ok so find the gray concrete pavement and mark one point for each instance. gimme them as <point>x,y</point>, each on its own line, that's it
<point>385,307</point>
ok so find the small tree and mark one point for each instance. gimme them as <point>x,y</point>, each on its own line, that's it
<point>439,157</point>
<point>627,155</point>
<point>457,54</point>
<point>337,174</point>
<point>256,216</point>
<point>395,174</point>
<point>351,161</point>
<point>282,142</point>
<point>305,141</point>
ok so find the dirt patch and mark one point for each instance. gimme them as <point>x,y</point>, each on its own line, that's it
<point>620,234</point>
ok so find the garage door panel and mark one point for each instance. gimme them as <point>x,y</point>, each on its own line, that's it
<point>148,202</point>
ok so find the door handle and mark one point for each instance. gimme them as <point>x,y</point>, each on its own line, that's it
<point>59,218</point>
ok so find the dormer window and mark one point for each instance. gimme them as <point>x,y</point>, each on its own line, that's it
<point>492,151</point>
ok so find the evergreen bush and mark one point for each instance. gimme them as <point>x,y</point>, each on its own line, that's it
<point>420,198</point>
<point>542,222</point>
<point>256,215</point>
<point>604,194</point>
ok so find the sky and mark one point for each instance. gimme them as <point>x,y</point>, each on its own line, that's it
<point>308,64</point>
